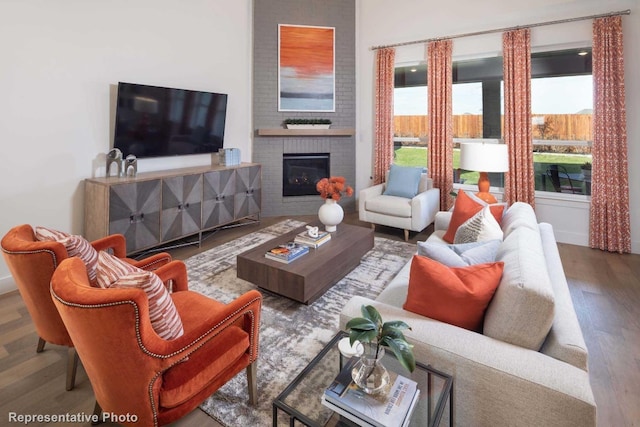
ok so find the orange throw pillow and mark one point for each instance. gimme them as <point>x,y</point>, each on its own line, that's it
<point>455,295</point>
<point>464,208</point>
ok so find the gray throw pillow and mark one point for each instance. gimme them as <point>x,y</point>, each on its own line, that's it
<point>460,255</point>
<point>403,181</point>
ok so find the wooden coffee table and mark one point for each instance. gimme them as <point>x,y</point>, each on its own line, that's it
<point>306,278</point>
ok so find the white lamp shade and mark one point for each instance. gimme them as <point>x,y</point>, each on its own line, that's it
<point>484,157</point>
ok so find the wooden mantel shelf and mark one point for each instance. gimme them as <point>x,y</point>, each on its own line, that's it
<point>306,132</point>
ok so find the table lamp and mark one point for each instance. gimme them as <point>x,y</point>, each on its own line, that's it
<point>484,157</point>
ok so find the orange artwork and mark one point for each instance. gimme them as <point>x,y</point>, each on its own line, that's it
<point>306,68</point>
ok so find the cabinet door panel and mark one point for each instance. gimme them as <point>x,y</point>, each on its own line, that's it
<point>134,210</point>
<point>181,206</point>
<point>248,191</point>
<point>218,198</point>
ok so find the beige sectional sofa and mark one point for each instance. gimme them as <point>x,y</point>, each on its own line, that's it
<point>529,366</point>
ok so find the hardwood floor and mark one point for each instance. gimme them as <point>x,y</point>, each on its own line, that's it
<point>605,288</point>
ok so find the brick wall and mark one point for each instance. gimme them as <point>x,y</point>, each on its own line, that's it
<point>268,151</point>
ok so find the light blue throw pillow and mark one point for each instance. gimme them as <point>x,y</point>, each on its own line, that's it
<point>403,181</point>
<point>460,255</point>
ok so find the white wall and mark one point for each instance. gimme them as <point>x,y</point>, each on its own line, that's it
<point>381,23</point>
<point>59,64</point>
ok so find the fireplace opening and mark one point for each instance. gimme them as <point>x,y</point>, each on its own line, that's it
<point>301,172</point>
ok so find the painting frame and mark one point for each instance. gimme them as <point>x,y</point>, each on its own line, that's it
<point>306,68</point>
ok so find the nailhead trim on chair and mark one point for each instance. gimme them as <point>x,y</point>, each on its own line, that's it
<point>234,315</point>
<point>158,261</point>
<point>53,254</point>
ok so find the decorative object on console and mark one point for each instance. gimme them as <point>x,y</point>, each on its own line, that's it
<point>114,156</point>
<point>229,156</point>
<point>484,157</point>
<point>374,334</point>
<point>131,165</point>
<point>332,189</point>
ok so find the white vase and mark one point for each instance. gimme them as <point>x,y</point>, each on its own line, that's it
<point>330,214</point>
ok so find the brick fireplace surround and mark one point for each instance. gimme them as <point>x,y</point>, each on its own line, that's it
<point>269,150</point>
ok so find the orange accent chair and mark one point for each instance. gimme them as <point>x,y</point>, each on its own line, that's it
<point>133,370</point>
<point>32,263</point>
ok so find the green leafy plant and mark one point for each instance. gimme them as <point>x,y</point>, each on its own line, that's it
<point>371,329</point>
<point>307,122</point>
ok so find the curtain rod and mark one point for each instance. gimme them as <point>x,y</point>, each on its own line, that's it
<point>499,30</point>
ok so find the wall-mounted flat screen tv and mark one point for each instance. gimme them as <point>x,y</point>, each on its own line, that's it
<point>154,121</point>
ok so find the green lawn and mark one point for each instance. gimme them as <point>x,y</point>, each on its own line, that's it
<point>417,156</point>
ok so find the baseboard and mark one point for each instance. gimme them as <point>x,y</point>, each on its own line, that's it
<point>7,285</point>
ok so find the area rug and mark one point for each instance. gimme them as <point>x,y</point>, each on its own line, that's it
<point>291,333</point>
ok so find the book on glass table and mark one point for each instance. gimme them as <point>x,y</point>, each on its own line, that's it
<point>392,409</point>
<point>303,238</point>
<point>287,253</point>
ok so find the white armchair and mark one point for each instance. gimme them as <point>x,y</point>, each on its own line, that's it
<point>399,212</point>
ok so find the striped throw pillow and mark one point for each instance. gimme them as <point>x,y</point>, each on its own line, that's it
<point>75,246</point>
<point>115,273</point>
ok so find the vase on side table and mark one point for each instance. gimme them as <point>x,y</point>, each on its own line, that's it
<point>369,374</point>
<point>330,214</point>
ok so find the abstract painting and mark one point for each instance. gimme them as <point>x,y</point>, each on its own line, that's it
<point>306,68</point>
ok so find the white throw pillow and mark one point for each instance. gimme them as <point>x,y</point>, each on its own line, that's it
<point>479,228</point>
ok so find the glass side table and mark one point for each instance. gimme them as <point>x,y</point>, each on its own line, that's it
<point>299,403</point>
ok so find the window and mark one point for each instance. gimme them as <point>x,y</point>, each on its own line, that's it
<point>562,106</point>
<point>410,116</point>
<point>561,116</point>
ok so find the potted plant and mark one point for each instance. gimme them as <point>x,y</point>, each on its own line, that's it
<point>307,123</point>
<point>375,335</point>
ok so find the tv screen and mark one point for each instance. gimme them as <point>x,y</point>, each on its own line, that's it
<point>154,121</point>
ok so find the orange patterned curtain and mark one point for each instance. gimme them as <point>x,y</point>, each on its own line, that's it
<point>385,59</point>
<point>439,84</point>
<point>610,222</point>
<point>519,185</point>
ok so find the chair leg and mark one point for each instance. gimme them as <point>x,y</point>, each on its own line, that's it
<point>41,344</point>
<point>406,235</point>
<point>252,383</point>
<point>72,367</point>
<point>97,414</point>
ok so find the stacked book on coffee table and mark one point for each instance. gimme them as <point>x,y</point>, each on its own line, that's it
<point>392,408</point>
<point>287,253</point>
<point>304,238</point>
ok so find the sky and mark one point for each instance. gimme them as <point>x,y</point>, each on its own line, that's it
<point>552,95</point>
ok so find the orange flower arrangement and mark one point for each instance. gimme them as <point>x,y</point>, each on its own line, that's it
<point>333,188</point>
